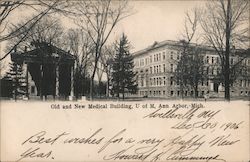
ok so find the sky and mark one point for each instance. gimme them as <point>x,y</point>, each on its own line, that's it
<point>154,21</point>
<point>151,21</point>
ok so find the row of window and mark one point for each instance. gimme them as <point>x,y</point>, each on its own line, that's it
<point>207,70</point>
<point>159,69</point>
<point>185,93</point>
<point>162,56</point>
<point>161,81</point>
<point>245,83</point>
<point>171,93</point>
<point>212,60</point>
<point>155,58</point>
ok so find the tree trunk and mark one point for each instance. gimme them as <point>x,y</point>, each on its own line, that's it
<point>227,53</point>
<point>91,87</point>
<point>123,97</point>
<point>196,91</point>
<point>92,77</point>
<point>107,88</point>
<point>99,88</point>
<point>41,82</point>
<point>181,89</point>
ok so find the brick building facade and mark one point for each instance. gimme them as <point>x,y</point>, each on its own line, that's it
<point>156,64</point>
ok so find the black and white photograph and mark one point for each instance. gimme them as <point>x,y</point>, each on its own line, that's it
<point>129,50</point>
<point>125,80</point>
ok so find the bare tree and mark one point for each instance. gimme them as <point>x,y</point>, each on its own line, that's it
<point>98,18</point>
<point>47,30</point>
<point>78,42</point>
<point>106,60</point>
<point>226,25</point>
<point>40,8</point>
<point>189,66</point>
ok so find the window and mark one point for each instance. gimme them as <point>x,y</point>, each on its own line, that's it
<point>151,70</point>
<point>172,93</point>
<point>212,71</point>
<point>150,59</point>
<point>164,68</point>
<point>171,81</point>
<point>178,81</point>
<point>159,56</point>
<point>163,56</point>
<point>207,70</point>
<point>157,81</point>
<point>172,67</point>
<point>212,60</point>
<point>232,61</point>
<point>218,71</point>
<point>164,93</point>
<point>164,81</point>
<point>136,63</point>
<point>159,68</point>
<point>171,56</point>
<point>178,93</point>
<point>142,81</point>
<point>178,57</point>
<point>142,62</point>
<point>154,81</point>
<point>242,71</point>
<point>207,59</point>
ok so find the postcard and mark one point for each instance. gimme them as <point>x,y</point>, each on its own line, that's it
<point>136,81</point>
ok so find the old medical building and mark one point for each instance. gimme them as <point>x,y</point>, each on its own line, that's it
<point>156,64</point>
<point>48,71</point>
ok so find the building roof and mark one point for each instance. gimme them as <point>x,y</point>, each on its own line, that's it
<point>46,53</point>
<point>156,45</point>
<point>173,43</point>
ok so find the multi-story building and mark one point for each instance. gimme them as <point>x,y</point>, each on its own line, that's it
<point>156,64</point>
